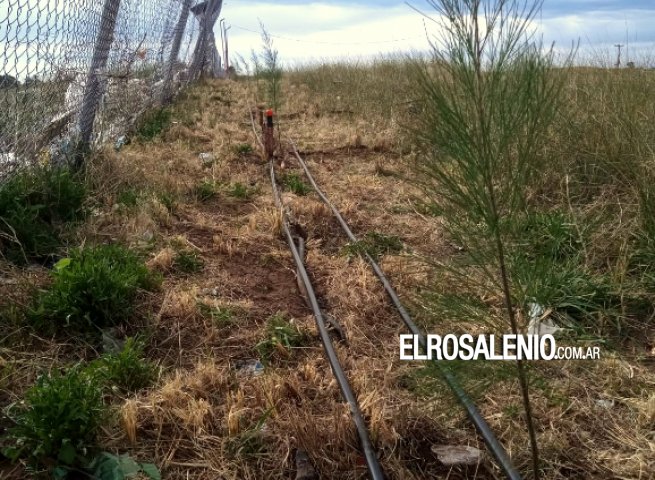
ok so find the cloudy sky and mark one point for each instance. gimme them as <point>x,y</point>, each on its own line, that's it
<point>307,31</point>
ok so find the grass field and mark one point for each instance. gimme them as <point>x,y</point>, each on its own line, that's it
<point>223,291</point>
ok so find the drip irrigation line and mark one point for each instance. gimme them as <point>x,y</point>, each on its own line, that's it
<point>372,461</point>
<point>494,446</point>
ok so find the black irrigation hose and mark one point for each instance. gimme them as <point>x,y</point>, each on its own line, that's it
<point>497,450</point>
<point>372,461</point>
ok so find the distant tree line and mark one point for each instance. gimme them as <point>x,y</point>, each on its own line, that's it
<point>8,81</point>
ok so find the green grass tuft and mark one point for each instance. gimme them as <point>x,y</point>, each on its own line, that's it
<point>34,205</point>
<point>153,123</point>
<point>293,183</point>
<point>280,338</point>
<point>375,244</point>
<point>187,262</point>
<point>205,191</point>
<point>239,190</point>
<point>243,148</point>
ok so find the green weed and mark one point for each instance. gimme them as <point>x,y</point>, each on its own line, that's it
<point>128,197</point>
<point>126,370</point>
<point>59,421</point>
<point>375,244</point>
<point>94,288</point>
<point>239,190</point>
<point>167,200</point>
<point>107,466</point>
<point>205,191</point>
<point>34,204</point>
<point>220,316</point>
<point>153,123</point>
<point>280,338</point>
<point>250,443</point>
<point>187,262</point>
<point>293,183</point>
<point>243,148</point>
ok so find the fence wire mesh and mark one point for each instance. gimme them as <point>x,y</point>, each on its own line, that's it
<point>72,69</point>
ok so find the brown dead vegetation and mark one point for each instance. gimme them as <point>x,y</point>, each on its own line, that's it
<point>210,418</point>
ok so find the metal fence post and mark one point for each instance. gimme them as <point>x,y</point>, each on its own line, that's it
<point>175,50</point>
<point>93,88</point>
<point>205,52</point>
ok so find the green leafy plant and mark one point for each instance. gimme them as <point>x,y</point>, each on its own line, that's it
<point>220,315</point>
<point>153,123</point>
<point>243,148</point>
<point>280,338</point>
<point>34,203</point>
<point>107,466</point>
<point>293,183</point>
<point>126,370</point>
<point>94,288</point>
<point>59,421</point>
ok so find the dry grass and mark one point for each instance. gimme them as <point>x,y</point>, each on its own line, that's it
<point>208,417</point>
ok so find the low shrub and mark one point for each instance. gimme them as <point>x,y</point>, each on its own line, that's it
<point>59,421</point>
<point>94,288</point>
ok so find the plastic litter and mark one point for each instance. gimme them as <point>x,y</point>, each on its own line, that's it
<point>454,455</point>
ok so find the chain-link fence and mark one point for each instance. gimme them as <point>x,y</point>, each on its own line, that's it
<point>77,73</point>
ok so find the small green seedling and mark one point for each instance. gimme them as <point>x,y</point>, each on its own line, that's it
<point>293,183</point>
<point>280,339</point>
<point>243,148</point>
<point>205,191</point>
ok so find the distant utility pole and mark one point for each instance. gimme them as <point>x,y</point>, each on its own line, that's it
<point>224,43</point>
<point>618,56</point>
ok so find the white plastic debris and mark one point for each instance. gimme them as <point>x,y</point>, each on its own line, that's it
<point>213,292</point>
<point>607,404</point>
<point>539,325</point>
<point>455,455</point>
<point>8,158</point>
<point>120,142</point>
<point>207,159</point>
<point>250,367</point>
